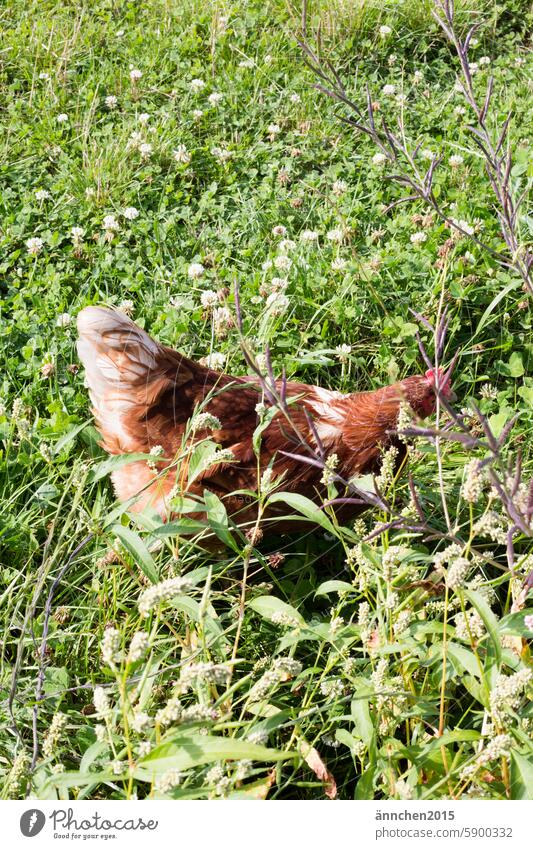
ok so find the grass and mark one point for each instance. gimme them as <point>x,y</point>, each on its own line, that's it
<point>341,666</point>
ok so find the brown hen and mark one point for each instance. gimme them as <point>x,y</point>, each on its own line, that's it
<point>144,396</point>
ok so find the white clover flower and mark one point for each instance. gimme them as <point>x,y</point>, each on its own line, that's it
<point>111,101</point>
<point>42,194</point>
<point>277,303</point>
<point>418,76</point>
<point>456,160</point>
<point>338,264</point>
<point>216,360</point>
<point>279,284</point>
<point>158,593</point>
<point>392,59</point>
<point>143,118</point>
<point>195,270</point>
<point>196,85</point>
<point>131,213</point>
<point>63,319</point>
<point>295,98</point>
<point>221,154</point>
<point>388,90</point>
<point>339,187</point>
<point>473,67</point>
<point>62,118</point>
<point>279,230</point>
<point>286,245</point>
<point>384,31</point>
<point>489,392</point>
<point>44,76</point>
<point>379,159</point>
<point>34,245</point>
<point>215,98</point>
<point>463,225</point>
<point>335,235</point>
<point>309,236</point>
<point>342,352</point>
<point>197,114</point>
<point>135,75</point>
<point>401,99</point>
<point>126,307</point>
<point>222,320</point>
<point>459,111</point>
<point>246,63</point>
<point>145,149</point>
<point>418,238</point>
<point>274,129</point>
<point>181,155</point>
<point>209,299</point>
<point>282,262</point>
<point>427,154</point>
<point>110,223</point>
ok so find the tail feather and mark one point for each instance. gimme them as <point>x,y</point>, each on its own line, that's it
<point>126,371</point>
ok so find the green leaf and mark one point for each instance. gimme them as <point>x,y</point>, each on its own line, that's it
<point>217,519</point>
<point>138,550</point>
<point>516,366</point>
<point>68,437</point>
<point>201,459</point>
<point>458,736</point>
<point>489,620</point>
<point>463,659</point>
<point>492,306</point>
<point>498,421</point>
<point>365,786</point>
<point>521,776</point>
<point>364,726</point>
<point>186,751</point>
<point>116,462</point>
<point>526,392</point>
<point>334,587</point>
<point>304,506</point>
<point>268,605</point>
<point>515,624</point>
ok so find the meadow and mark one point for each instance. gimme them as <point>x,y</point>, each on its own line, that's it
<point>154,156</point>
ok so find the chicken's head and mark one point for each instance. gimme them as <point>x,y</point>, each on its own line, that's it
<point>421,392</point>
